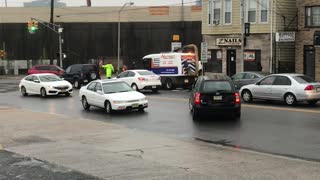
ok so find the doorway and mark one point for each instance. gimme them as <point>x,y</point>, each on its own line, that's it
<point>231,62</point>
<point>309,61</point>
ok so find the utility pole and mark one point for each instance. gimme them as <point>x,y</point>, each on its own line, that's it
<point>51,11</point>
<point>6,4</point>
<point>242,35</point>
<point>182,22</point>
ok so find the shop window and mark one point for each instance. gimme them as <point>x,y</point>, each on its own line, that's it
<point>252,60</point>
<point>215,61</point>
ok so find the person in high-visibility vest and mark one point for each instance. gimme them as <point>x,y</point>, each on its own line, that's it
<point>109,70</point>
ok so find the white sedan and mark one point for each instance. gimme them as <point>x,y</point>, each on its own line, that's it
<point>112,95</point>
<point>44,84</point>
<point>141,79</point>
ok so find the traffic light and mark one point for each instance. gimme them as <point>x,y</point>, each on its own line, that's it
<point>32,26</point>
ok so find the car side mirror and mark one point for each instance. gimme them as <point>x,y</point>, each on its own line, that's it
<point>36,81</point>
<point>99,92</point>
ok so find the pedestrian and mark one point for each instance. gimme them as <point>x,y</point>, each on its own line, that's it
<point>109,70</point>
<point>124,68</point>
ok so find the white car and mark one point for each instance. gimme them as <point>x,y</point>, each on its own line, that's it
<point>290,88</point>
<point>44,84</point>
<point>141,79</point>
<point>112,95</point>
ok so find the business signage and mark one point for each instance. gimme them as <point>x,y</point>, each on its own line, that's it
<point>204,52</point>
<point>285,37</point>
<point>228,42</point>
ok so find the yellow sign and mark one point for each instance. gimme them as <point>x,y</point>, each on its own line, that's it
<point>176,37</point>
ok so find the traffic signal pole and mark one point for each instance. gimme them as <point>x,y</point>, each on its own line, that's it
<point>55,28</point>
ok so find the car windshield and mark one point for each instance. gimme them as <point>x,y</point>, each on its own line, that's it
<point>304,79</point>
<point>116,87</point>
<point>49,78</point>
<point>145,73</point>
<point>216,86</point>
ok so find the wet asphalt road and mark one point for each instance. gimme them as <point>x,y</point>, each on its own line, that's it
<point>264,126</point>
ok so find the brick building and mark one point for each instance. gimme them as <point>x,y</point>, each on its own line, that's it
<point>308,38</point>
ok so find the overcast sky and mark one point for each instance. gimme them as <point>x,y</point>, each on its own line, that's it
<point>19,3</point>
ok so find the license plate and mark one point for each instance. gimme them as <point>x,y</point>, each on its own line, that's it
<point>135,105</point>
<point>63,90</point>
<point>154,86</point>
<point>186,81</point>
<point>318,89</point>
<point>217,98</point>
<point>85,80</point>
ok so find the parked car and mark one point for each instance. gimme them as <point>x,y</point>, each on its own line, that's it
<point>290,88</point>
<point>44,84</point>
<point>141,79</point>
<point>214,94</point>
<point>81,74</point>
<point>112,95</point>
<point>246,78</point>
<point>40,69</point>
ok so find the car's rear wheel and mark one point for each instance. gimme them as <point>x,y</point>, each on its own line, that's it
<point>247,96</point>
<point>43,92</point>
<point>24,91</point>
<point>85,103</point>
<point>290,99</point>
<point>312,103</point>
<point>141,109</point>
<point>195,114</point>
<point>108,107</point>
<point>135,87</point>
<point>77,84</point>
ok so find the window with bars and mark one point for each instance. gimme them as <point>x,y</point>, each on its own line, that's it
<point>216,11</point>
<point>313,16</point>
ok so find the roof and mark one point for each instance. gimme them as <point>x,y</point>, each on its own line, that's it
<point>216,76</point>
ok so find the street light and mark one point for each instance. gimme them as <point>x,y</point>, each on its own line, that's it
<point>119,30</point>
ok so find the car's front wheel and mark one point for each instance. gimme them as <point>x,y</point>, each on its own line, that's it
<point>247,96</point>
<point>85,103</point>
<point>24,91</point>
<point>43,92</point>
<point>108,107</point>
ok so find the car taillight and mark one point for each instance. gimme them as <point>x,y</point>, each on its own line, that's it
<point>309,88</point>
<point>197,100</point>
<point>237,100</point>
<point>141,79</point>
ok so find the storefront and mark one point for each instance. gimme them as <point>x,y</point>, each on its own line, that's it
<point>225,53</point>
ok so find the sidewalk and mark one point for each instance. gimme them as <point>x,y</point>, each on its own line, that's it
<point>111,151</point>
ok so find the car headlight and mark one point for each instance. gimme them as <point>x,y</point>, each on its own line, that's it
<point>143,99</point>
<point>118,102</point>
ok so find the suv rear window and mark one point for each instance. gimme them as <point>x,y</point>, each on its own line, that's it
<point>145,73</point>
<point>303,79</point>
<point>87,68</point>
<point>216,86</point>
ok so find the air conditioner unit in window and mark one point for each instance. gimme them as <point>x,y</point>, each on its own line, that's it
<point>216,21</point>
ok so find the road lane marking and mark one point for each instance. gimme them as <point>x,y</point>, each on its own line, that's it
<point>246,105</point>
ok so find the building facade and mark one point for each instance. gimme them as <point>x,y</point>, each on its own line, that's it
<point>308,38</point>
<point>221,29</point>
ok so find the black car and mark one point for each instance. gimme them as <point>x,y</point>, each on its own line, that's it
<point>214,94</point>
<point>81,74</point>
<point>246,78</point>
